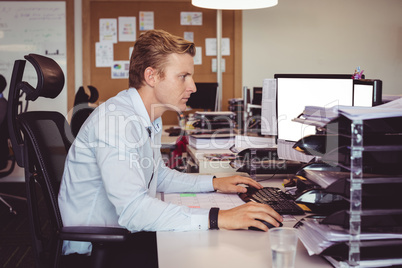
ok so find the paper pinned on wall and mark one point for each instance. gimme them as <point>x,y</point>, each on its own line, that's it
<point>191,18</point>
<point>108,30</point>
<point>130,51</point>
<point>127,29</point>
<point>146,20</point>
<point>198,56</point>
<point>189,36</point>
<point>214,64</point>
<point>104,54</point>
<point>210,46</point>
<point>120,69</point>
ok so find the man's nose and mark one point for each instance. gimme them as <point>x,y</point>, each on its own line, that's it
<point>192,87</point>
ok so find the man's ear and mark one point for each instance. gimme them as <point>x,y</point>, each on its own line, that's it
<point>149,76</point>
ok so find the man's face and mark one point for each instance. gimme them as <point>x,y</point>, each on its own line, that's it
<point>174,89</point>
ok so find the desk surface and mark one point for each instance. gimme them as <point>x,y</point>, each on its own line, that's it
<point>225,248</point>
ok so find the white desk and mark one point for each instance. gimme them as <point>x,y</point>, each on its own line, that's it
<point>225,248</point>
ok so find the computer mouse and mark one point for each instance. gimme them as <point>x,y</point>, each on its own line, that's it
<point>269,225</point>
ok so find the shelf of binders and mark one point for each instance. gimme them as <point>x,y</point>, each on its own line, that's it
<point>357,181</point>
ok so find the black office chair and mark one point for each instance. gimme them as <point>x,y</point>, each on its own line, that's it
<point>82,109</point>
<point>42,150</point>
<point>7,160</point>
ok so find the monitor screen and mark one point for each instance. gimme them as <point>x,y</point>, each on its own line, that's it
<point>367,92</point>
<point>295,91</point>
<point>205,97</point>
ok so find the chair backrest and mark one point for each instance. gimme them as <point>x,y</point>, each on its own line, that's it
<point>5,156</point>
<point>50,84</point>
<point>81,109</point>
<point>46,150</point>
<point>3,122</point>
<point>4,152</point>
<point>43,139</point>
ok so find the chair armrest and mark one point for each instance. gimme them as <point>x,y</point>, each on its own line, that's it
<point>94,234</point>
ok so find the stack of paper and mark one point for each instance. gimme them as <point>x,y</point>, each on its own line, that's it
<point>321,116</point>
<point>317,237</point>
<point>212,141</point>
<point>243,142</point>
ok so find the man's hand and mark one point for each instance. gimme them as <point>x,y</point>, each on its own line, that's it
<point>230,184</point>
<point>246,215</point>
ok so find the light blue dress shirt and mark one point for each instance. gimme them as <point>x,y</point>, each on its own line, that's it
<point>114,169</point>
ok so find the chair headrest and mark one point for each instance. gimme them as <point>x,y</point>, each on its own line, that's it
<point>50,77</point>
<point>82,97</point>
<point>3,83</point>
<point>94,94</point>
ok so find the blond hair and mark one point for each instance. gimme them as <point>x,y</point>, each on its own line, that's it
<point>151,50</point>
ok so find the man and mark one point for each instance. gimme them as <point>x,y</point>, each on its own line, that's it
<point>114,168</point>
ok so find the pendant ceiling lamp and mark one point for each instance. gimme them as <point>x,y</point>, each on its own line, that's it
<point>234,4</point>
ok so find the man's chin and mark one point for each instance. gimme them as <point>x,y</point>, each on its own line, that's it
<point>177,108</point>
<point>183,108</point>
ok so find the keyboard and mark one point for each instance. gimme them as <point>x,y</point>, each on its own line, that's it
<point>275,197</point>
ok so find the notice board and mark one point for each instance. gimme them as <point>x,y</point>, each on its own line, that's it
<point>38,27</point>
<point>166,16</point>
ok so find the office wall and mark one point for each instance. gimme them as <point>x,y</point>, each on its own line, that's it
<point>321,36</point>
<point>43,27</point>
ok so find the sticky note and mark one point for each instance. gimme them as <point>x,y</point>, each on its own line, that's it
<point>188,195</point>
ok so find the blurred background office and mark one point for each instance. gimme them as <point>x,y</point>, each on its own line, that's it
<point>295,36</point>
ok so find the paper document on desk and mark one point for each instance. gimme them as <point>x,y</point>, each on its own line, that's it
<point>204,200</point>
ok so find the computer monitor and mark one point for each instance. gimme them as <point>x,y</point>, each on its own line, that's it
<point>205,97</point>
<point>367,92</point>
<point>295,91</point>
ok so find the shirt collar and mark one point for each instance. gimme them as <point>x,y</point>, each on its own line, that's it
<point>142,111</point>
